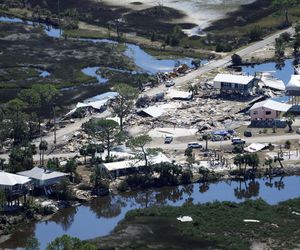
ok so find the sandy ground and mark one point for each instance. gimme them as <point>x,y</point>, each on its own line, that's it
<point>200,12</point>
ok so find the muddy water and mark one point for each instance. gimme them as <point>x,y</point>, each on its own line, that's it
<point>100,216</point>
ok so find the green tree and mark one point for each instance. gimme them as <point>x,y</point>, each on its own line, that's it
<point>83,151</point>
<point>206,137</point>
<point>99,179</point>
<point>2,199</point>
<point>104,130</point>
<point>21,158</point>
<point>123,103</point>
<point>289,121</point>
<point>279,47</point>
<point>71,167</point>
<point>255,33</point>
<point>140,142</point>
<point>64,191</point>
<point>193,89</point>
<point>236,59</point>
<point>43,146</point>
<point>196,63</point>
<point>32,243</point>
<point>284,6</point>
<point>17,120</point>
<point>67,242</point>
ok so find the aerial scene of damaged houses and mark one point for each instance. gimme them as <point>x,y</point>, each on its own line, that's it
<point>205,123</point>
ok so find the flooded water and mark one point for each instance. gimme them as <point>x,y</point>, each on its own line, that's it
<point>92,71</point>
<point>101,215</point>
<point>50,30</point>
<point>151,64</point>
<point>142,59</point>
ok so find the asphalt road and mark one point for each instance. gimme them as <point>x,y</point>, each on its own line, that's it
<point>219,63</point>
<point>182,145</point>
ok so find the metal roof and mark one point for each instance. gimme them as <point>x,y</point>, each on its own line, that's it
<point>42,174</point>
<point>294,83</point>
<point>229,78</point>
<point>111,166</point>
<point>270,104</point>
<point>8,179</point>
<point>153,111</point>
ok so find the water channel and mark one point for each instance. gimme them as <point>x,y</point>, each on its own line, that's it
<point>102,214</point>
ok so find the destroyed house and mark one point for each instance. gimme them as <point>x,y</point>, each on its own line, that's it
<point>234,84</point>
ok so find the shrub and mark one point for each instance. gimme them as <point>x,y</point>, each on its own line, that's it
<point>123,186</point>
<point>236,59</point>
<point>186,177</point>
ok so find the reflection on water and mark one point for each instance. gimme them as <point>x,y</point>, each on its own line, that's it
<point>102,214</point>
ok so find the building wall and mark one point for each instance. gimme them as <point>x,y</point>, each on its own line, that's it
<point>234,87</point>
<point>264,114</point>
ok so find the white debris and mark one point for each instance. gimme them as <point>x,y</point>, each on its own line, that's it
<point>185,218</point>
<point>255,221</point>
<point>295,213</point>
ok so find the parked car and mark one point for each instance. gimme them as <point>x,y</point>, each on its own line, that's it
<point>237,140</point>
<point>247,133</point>
<point>169,83</point>
<point>298,131</point>
<point>194,145</point>
<point>168,139</point>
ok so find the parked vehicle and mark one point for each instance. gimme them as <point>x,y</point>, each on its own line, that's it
<point>298,131</point>
<point>247,133</point>
<point>194,145</point>
<point>237,140</point>
<point>168,139</point>
<point>169,83</point>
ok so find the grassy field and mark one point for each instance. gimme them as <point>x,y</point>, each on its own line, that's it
<point>215,226</point>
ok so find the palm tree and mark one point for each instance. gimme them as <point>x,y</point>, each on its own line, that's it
<point>43,147</point>
<point>289,121</point>
<point>84,152</point>
<point>206,137</point>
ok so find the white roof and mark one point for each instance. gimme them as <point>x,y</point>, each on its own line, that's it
<point>294,83</point>
<point>269,81</point>
<point>255,147</point>
<point>8,179</point>
<point>175,94</point>
<point>42,174</point>
<point>159,158</point>
<point>154,111</point>
<point>270,104</point>
<point>238,79</point>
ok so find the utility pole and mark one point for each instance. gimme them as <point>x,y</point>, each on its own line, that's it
<point>54,122</point>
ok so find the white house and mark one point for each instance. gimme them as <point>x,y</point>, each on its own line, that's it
<point>14,185</point>
<point>234,84</point>
<point>120,168</point>
<point>10,181</point>
<point>43,177</point>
